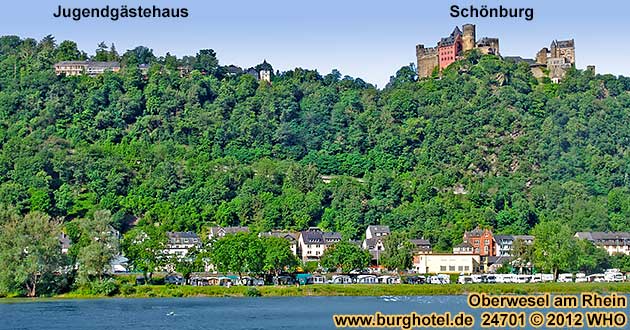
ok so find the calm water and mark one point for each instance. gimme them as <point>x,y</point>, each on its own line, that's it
<point>210,313</point>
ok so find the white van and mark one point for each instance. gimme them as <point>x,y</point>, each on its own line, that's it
<point>547,277</point>
<point>580,278</point>
<point>565,278</point>
<point>522,278</point>
<point>613,277</point>
<point>536,278</point>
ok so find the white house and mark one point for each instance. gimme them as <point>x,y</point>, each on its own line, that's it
<point>436,263</point>
<point>179,243</point>
<point>313,242</point>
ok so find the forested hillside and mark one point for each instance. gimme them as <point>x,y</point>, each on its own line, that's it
<point>484,144</point>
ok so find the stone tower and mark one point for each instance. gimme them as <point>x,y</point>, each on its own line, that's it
<point>427,60</point>
<point>542,55</point>
<point>469,37</point>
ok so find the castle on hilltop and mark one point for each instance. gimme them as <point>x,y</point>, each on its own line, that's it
<point>552,62</point>
<point>559,57</point>
<point>451,49</point>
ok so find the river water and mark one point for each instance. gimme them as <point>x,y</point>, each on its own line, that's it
<point>211,313</point>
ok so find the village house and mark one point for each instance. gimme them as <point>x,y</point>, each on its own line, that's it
<point>289,236</point>
<point>612,242</point>
<point>313,242</point>
<point>179,243</point>
<point>504,243</point>
<point>90,68</point>
<point>421,245</point>
<point>481,240</point>
<point>219,232</point>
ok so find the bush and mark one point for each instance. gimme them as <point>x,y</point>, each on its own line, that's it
<point>252,292</point>
<point>107,287</point>
<point>127,289</point>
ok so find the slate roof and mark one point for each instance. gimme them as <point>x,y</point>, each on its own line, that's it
<point>374,230</point>
<point>606,238</point>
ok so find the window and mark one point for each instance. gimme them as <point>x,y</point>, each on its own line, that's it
<point>442,268</point>
<point>476,250</point>
<point>486,242</point>
<point>485,249</point>
<point>476,241</point>
<point>460,268</point>
<point>466,268</point>
<point>451,268</point>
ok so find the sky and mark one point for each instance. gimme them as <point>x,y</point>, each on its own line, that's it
<point>366,39</point>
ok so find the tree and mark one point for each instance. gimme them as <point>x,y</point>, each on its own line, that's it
<point>100,247</point>
<point>30,253</point>
<point>397,252</point>
<point>522,251</point>
<point>194,261</point>
<point>102,53</point>
<point>145,249</point>
<point>239,253</point>
<point>590,258</point>
<point>278,255</point>
<point>346,257</point>
<point>554,247</point>
<point>206,61</point>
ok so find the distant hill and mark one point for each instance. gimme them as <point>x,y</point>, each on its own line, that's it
<point>485,144</point>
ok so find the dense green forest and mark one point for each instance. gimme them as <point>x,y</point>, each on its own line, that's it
<point>484,144</point>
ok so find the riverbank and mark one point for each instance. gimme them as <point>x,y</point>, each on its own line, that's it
<point>146,291</point>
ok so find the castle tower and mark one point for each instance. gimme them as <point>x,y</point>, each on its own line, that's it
<point>427,60</point>
<point>541,56</point>
<point>469,37</point>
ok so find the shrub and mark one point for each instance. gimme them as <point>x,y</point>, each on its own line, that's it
<point>107,287</point>
<point>252,292</point>
<point>127,289</point>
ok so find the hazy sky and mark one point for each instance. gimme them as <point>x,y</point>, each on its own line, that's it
<point>367,39</point>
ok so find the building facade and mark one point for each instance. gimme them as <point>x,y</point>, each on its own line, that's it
<point>179,243</point>
<point>313,242</point>
<point>557,59</point>
<point>446,263</point>
<point>481,240</point>
<point>612,242</point>
<point>90,68</point>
